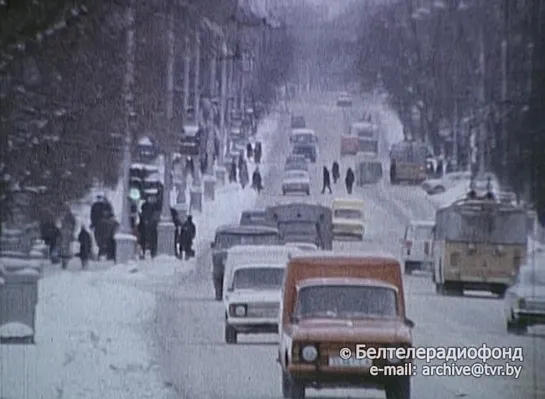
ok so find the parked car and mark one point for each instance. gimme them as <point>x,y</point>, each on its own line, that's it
<point>449,180</point>
<point>296,181</point>
<point>525,300</point>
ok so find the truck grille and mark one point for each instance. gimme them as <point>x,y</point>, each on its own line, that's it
<point>269,309</point>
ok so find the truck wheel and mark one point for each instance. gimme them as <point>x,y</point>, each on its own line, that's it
<point>440,289</point>
<point>516,327</point>
<point>398,388</point>
<point>408,268</point>
<point>230,334</point>
<point>286,385</point>
<point>297,390</point>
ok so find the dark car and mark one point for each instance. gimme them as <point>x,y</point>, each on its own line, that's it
<point>301,222</point>
<point>227,237</point>
<point>298,122</point>
<point>307,150</point>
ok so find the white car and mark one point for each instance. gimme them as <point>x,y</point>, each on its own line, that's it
<point>525,300</point>
<point>448,181</point>
<point>252,287</point>
<point>416,246</point>
<point>296,181</point>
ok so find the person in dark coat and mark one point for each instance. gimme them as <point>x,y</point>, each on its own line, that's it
<point>190,167</point>
<point>349,180</point>
<point>85,247</point>
<point>101,209</point>
<point>142,237</point>
<point>50,235</point>
<point>233,172</point>
<point>393,170</point>
<point>188,231</point>
<point>258,152</point>
<point>439,168</point>
<point>257,182</point>
<point>249,151</point>
<point>326,181</point>
<point>244,178</point>
<point>335,172</point>
<point>68,227</point>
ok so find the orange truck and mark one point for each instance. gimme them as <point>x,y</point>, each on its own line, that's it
<point>342,317</point>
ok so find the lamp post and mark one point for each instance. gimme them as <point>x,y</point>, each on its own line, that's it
<point>125,242</point>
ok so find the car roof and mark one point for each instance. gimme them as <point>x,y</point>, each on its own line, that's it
<point>259,265</point>
<point>426,223</point>
<point>344,281</point>
<point>244,249</point>
<point>347,201</point>
<point>333,255</point>
<point>245,229</point>
<point>302,130</point>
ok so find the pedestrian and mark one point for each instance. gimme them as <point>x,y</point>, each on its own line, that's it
<point>177,224</point>
<point>188,232</point>
<point>257,183</point>
<point>233,172</point>
<point>240,160</point>
<point>244,178</point>
<point>190,167</point>
<point>85,246</point>
<point>249,151</point>
<point>439,168</point>
<point>335,172</point>
<point>258,152</point>
<point>349,180</point>
<point>393,170</point>
<point>68,226</point>
<point>142,236</point>
<point>326,181</point>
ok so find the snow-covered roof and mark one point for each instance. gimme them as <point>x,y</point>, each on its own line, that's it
<point>146,167</point>
<point>145,141</point>
<point>333,254</point>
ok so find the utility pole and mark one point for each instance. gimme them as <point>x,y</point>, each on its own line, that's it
<point>187,67</point>
<point>482,103</point>
<point>125,242</point>
<point>213,70</point>
<point>503,108</point>
<point>166,229</point>
<point>197,81</point>
<point>223,102</point>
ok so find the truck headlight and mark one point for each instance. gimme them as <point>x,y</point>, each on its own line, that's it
<point>309,353</point>
<point>239,310</point>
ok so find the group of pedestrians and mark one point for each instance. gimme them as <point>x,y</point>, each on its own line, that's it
<point>335,173</point>
<point>239,167</point>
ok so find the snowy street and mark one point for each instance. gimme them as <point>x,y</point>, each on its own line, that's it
<point>189,323</point>
<point>95,328</point>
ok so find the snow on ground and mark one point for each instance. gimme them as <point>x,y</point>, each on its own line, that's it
<point>87,344</point>
<point>88,341</point>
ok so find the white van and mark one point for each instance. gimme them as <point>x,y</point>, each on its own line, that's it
<point>417,243</point>
<point>252,288</point>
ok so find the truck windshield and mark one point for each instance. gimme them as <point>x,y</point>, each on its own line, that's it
<point>258,278</point>
<point>346,301</point>
<point>230,240</point>
<point>497,228</point>
<point>348,214</point>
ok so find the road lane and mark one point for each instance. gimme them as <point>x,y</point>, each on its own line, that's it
<point>189,327</point>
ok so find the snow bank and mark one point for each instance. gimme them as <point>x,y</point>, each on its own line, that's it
<point>150,269</point>
<point>87,344</point>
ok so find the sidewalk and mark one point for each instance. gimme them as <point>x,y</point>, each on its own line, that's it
<point>89,340</point>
